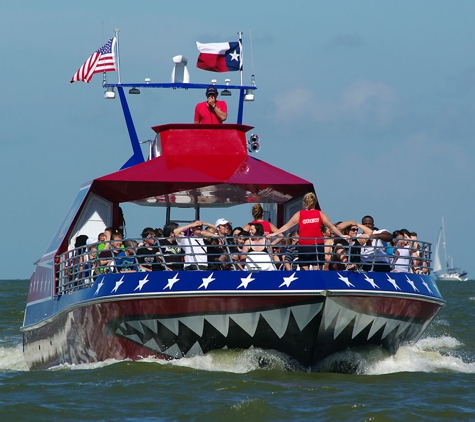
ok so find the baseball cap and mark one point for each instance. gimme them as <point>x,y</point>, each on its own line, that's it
<point>212,90</point>
<point>222,222</point>
<point>92,240</point>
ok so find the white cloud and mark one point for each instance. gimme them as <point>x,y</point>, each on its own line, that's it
<point>369,99</point>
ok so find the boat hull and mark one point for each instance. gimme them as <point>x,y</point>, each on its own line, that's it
<point>452,277</point>
<point>176,315</point>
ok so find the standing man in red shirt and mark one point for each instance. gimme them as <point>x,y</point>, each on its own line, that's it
<point>211,111</point>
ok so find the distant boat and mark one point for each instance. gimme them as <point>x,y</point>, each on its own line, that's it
<point>451,273</point>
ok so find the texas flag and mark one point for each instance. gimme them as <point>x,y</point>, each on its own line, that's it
<point>219,56</point>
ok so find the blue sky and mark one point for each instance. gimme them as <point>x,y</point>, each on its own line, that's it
<point>372,101</point>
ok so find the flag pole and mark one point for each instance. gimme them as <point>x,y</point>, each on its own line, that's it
<point>118,54</point>
<point>240,45</point>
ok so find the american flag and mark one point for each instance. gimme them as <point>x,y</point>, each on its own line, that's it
<point>102,60</point>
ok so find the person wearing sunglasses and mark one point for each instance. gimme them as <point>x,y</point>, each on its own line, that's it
<point>211,111</point>
<point>355,241</point>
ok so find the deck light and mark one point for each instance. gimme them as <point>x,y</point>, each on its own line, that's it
<point>110,93</point>
<point>250,92</point>
<point>249,95</point>
<point>226,92</point>
<point>253,143</point>
<point>134,91</point>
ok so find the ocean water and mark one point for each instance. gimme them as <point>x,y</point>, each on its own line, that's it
<point>433,379</point>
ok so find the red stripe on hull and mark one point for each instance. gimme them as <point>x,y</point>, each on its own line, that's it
<point>395,308</point>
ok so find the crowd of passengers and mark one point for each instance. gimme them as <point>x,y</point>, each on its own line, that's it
<point>257,245</point>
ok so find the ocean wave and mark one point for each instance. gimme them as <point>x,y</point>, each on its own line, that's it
<point>236,361</point>
<point>440,354</point>
<point>11,359</point>
<point>431,354</point>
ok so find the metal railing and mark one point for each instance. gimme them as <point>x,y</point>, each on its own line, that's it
<point>78,268</point>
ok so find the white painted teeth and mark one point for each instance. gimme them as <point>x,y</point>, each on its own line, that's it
<point>194,351</point>
<point>248,322</point>
<point>345,316</point>
<point>278,320</point>
<point>335,317</point>
<point>303,314</point>
<point>220,322</point>
<point>173,351</point>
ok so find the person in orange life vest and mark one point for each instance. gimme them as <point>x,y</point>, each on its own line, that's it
<point>211,111</point>
<point>310,222</point>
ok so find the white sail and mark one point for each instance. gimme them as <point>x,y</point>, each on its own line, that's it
<point>437,264</point>
<point>448,272</point>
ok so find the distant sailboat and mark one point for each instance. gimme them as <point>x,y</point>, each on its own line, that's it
<point>451,273</point>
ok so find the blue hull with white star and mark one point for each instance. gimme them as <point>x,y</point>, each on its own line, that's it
<point>306,314</point>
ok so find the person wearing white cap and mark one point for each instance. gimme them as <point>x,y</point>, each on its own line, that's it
<point>223,230</point>
<point>223,227</point>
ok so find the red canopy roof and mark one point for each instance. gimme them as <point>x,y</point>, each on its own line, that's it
<point>206,164</point>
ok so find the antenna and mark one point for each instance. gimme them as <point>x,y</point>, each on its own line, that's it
<point>118,54</point>
<point>252,54</point>
<point>242,54</point>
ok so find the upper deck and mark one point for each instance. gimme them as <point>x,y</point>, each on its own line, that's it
<point>246,93</point>
<point>189,166</point>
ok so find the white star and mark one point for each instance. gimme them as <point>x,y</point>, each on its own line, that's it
<point>393,282</point>
<point>101,283</point>
<point>371,281</point>
<point>411,283</point>
<point>117,284</point>
<point>172,281</point>
<point>234,56</point>
<point>345,280</point>
<point>288,280</point>
<point>426,286</point>
<point>142,283</point>
<point>206,281</point>
<point>246,281</point>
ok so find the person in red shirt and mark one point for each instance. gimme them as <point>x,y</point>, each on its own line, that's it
<point>311,241</point>
<point>211,111</point>
<point>258,214</point>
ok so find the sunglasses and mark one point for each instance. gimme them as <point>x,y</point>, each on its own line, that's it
<point>211,95</point>
<point>354,229</point>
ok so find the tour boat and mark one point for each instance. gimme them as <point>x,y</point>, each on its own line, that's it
<point>74,315</point>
